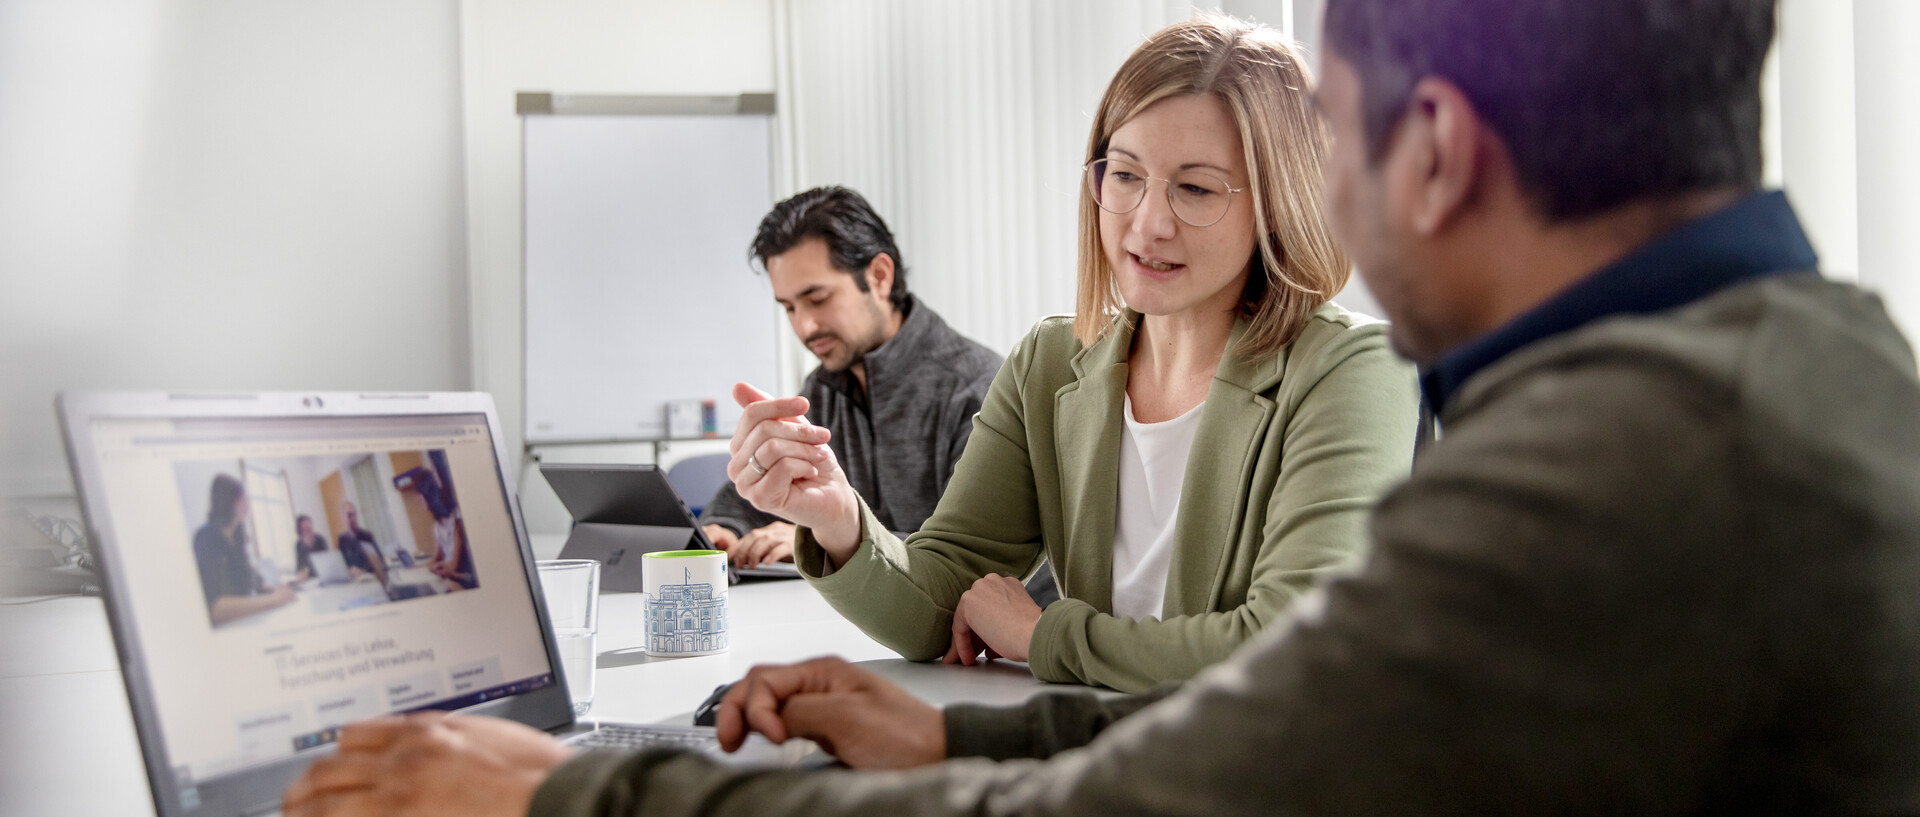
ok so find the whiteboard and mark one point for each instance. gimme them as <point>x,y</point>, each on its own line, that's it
<point>638,287</point>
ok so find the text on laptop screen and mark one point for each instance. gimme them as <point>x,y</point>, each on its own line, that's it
<point>255,648</point>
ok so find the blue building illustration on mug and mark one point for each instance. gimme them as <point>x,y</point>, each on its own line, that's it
<point>686,619</point>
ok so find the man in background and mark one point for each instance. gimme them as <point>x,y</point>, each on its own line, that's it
<point>897,386</point>
<point>1663,560</point>
<point>358,547</point>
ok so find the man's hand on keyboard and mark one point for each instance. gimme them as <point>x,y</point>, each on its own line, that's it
<point>858,716</point>
<point>428,764</point>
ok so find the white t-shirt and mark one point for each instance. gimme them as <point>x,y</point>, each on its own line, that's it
<point>1153,468</point>
<point>446,538</point>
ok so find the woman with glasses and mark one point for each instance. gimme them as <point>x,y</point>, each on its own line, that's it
<point>1192,450</point>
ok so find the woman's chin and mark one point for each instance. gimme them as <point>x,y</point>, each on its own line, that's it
<point>1152,300</point>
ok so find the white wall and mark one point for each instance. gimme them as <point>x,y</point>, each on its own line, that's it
<point>240,195</point>
<point>1301,19</point>
<point>1846,126</point>
<point>1887,80</point>
<point>1817,147</point>
<point>305,477</point>
<point>224,195</point>
<point>965,125</point>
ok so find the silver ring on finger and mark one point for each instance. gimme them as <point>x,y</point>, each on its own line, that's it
<point>756,466</point>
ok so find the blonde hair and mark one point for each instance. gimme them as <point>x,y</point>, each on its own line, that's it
<point>1263,81</point>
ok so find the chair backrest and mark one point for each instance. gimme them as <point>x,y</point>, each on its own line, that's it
<point>696,479</point>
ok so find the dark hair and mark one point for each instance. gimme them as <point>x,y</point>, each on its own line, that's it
<point>1599,102</point>
<point>319,542</point>
<point>225,491</point>
<point>854,233</point>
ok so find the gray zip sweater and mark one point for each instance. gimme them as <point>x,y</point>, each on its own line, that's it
<point>898,438</point>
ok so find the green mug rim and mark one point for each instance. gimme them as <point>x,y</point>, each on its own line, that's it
<point>681,554</point>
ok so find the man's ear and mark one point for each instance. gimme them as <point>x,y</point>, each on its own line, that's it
<point>1444,130</point>
<point>880,276</point>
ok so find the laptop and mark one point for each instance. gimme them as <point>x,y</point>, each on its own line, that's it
<point>622,511</point>
<point>329,567</point>
<point>235,690</point>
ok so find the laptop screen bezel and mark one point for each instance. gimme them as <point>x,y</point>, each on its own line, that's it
<point>547,708</point>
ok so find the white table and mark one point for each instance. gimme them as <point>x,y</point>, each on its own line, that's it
<point>776,622</point>
<point>67,744</point>
<point>66,736</point>
<point>317,600</point>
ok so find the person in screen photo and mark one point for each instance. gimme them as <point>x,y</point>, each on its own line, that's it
<point>358,546</point>
<point>309,543</point>
<point>451,559</point>
<point>233,590</point>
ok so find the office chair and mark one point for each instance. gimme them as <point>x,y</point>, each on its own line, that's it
<point>696,479</point>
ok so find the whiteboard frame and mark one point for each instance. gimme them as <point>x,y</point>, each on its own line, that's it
<point>548,103</point>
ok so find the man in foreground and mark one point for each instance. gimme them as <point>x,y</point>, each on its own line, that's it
<point>890,368</point>
<point>1663,561</point>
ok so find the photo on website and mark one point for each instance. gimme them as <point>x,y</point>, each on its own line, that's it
<point>325,533</point>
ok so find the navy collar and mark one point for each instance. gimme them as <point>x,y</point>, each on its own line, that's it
<point>1754,237</point>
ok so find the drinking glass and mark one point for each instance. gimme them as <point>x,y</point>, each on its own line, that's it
<point>572,587</point>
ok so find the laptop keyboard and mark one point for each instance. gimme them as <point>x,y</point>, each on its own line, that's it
<point>631,737</point>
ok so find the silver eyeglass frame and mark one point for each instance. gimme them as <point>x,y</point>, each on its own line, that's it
<point>1086,173</point>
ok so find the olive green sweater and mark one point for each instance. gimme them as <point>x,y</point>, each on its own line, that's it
<point>1291,453</point>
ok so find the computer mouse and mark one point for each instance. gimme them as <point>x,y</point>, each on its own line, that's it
<point>709,709</point>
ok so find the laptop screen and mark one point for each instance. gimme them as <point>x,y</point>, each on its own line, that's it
<point>226,537</point>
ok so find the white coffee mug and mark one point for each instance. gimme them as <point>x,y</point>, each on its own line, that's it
<point>686,602</point>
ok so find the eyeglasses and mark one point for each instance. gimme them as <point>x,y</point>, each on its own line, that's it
<point>1197,197</point>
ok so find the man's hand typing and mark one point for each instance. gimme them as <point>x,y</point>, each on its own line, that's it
<point>859,717</point>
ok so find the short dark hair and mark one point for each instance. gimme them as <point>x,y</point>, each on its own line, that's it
<point>1599,102</point>
<point>854,233</point>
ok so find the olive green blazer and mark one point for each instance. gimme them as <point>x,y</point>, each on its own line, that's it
<point>1291,453</point>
